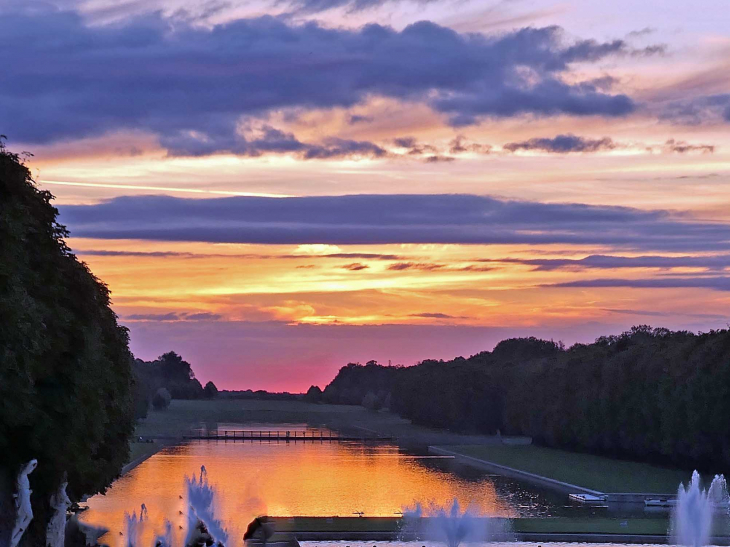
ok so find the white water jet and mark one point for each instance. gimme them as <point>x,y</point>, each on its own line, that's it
<point>165,540</point>
<point>202,509</point>
<point>133,527</point>
<point>452,526</point>
<point>23,509</point>
<point>56,529</point>
<point>693,515</point>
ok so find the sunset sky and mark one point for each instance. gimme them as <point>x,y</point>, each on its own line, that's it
<point>275,188</point>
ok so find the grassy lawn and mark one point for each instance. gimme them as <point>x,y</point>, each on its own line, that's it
<point>182,416</point>
<point>137,450</point>
<point>594,472</point>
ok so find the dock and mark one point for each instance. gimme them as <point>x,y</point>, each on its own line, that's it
<point>282,436</point>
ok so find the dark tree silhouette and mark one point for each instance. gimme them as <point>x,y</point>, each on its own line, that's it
<point>64,361</point>
<point>210,390</point>
<point>648,394</point>
<point>170,371</point>
<point>313,395</point>
<point>161,399</point>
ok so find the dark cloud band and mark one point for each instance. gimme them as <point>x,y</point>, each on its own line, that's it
<point>385,219</point>
<point>718,283</point>
<point>191,85</point>
<point>609,262</point>
<point>563,144</point>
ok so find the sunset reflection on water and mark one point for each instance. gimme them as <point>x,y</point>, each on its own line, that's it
<point>286,479</point>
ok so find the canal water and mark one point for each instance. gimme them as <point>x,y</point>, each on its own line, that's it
<point>306,479</point>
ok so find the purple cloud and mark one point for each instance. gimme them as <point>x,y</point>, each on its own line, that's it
<point>718,283</point>
<point>173,316</point>
<point>189,85</point>
<point>563,144</point>
<point>355,267</point>
<point>609,262</point>
<point>382,219</point>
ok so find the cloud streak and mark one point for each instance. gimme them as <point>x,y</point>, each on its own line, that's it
<point>270,141</point>
<point>173,316</point>
<point>355,267</point>
<point>385,219</point>
<point>562,144</point>
<point>436,315</point>
<point>609,262</point>
<point>719,283</point>
<point>682,147</point>
<point>244,256</point>
<point>698,110</point>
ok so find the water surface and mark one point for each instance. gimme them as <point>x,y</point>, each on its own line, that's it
<point>305,479</point>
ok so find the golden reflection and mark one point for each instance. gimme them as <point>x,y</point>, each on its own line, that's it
<point>286,479</point>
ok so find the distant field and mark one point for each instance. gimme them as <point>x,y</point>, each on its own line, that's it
<point>594,472</point>
<point>184,415</point>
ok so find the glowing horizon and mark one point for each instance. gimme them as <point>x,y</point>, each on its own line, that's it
<point>274,189</point>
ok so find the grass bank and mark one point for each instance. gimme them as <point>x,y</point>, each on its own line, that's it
<point>184,415</point>
<point>585,470</point>
<point>168,426</point>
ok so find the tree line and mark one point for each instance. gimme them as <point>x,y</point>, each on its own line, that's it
<point>70,389</point>
<point>66,381</point>
<point>648,394</point>
<point>167,377</point>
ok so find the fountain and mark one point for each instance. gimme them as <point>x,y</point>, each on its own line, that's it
<point>201,510</point>
<point>452,526</point>
<point>165,540</point>
<point>204,528</point>
<point>693,515</point>
<point>133,527</point>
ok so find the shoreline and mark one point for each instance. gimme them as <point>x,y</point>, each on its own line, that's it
<point>134,463</point>
<point>158,445</point>
<point>615,482</point>
<point>514,473</point>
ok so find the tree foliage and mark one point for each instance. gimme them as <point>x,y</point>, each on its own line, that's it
<point>170,371</point>
<point>161,399</point>
<point>64,360</point>
<point>210,390</point>
<point>647,394</point>
<point>313,395</point>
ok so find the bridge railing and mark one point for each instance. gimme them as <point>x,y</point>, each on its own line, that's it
<point>274,435</point>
